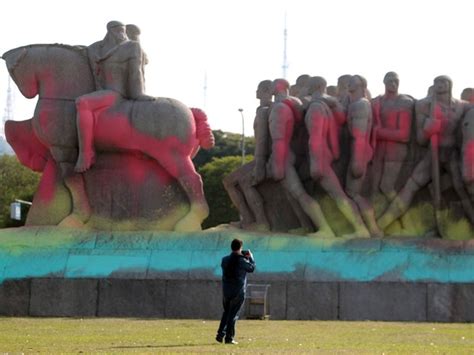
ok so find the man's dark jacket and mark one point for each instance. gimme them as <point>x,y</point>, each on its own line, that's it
<point>234,274</point>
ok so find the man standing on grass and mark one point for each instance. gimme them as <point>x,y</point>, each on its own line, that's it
<point>234,282</point>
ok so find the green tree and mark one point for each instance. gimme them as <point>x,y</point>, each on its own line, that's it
<point>227,144</point>
<point>221,209</point>
<point>16,182</point>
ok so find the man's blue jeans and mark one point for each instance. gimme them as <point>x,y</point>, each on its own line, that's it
<point>232,307</point>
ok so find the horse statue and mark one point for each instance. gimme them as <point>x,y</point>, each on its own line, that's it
<point>164,130</point>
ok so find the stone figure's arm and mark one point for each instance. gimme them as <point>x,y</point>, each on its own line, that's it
<point>93,60</point>
<point>422,112</point>
<point>296,106</point>
<point>402,132</point>
<point>337,109</point>
<point>281,123</point>
<point>262,138</point>
<point>315,124</point>
<point>360,114</point>
<point>136,83</point>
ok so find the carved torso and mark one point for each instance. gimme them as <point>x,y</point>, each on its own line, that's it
<point>393,116</point>
<point>450,115</point>
<point>390,110</point>
<point>112,67</point>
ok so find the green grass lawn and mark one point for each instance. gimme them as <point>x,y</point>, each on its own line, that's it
<point>109,335</point>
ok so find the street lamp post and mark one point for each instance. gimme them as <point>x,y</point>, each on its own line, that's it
<point>241,110</point>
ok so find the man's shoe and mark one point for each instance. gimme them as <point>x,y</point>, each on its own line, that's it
<point>219,338</point>
<point>232,341</point>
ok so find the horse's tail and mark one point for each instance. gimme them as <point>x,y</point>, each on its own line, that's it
<point>203,130</point>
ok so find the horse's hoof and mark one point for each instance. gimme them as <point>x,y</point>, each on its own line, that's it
<point>72,221</point>
<point>189,223</point>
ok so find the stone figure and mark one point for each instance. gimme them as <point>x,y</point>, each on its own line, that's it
<point>342,89</point>
<point>297,90</point>
<point>438,118</point>
<point>468,95</point>
<point>240,184</point>
<point>118,72</point>
<point>331,90</point>
<point>127,133</point>
<point>133,33</point>
<point>287,113</point>
<point>393,121</point>
<point>360,125</point>
<point>325,114</point>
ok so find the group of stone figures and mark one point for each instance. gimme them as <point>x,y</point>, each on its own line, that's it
<point>93,99</point>
<point>369,156</point>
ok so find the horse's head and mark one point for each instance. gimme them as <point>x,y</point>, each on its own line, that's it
<point>21,71</point>
<point>55,71</point>
<point>468,147</point>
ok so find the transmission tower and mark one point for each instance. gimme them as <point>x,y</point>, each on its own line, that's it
<point>285,59</point>
<point>8,113</point>
<point>205,90</point>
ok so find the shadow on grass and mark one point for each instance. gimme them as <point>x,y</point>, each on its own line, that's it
<point>157,346</point>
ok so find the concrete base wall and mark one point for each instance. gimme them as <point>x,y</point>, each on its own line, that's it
<point>186,298</point>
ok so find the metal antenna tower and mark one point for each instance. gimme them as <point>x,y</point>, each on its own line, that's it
<point>285,59</point>
<point>8,113</point>
<point>205,90</point>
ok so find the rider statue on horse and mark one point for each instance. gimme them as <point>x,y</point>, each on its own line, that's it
<point>93,99</point>
<point>116,64</point>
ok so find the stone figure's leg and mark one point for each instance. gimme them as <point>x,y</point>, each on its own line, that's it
<point>237,197</point>
<point>81,210</point>
<point>391,171</point>
<point>377,170</point>
<point>456,176</point>
<point>353,188</point>
<point>330,183</point>
<point>293,185</point>
<point>420,177</point>
<point>88,108</point>
<point>255,202</point>
<point>302,217</point>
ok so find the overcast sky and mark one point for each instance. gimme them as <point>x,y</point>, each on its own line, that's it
<point>239,43</point>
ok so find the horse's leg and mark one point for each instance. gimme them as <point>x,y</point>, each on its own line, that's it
<point>182,168</point>
<point>81,210</point>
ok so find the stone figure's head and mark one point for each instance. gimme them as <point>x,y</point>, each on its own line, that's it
<point>467,95</point>
<point>442,84</point>
<point>280,86</point>
<point>300,87</point>
<point>264,90</point>
<point>302,80</point>
<point>343,85</point>
<point>332,90</point>
<point>317,84</point>
<point>133,32</point>
<point>391,81</point>
<point>358,85</point>
<point>116,32</point>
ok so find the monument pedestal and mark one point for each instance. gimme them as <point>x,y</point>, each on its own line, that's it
<point>67,272</point>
